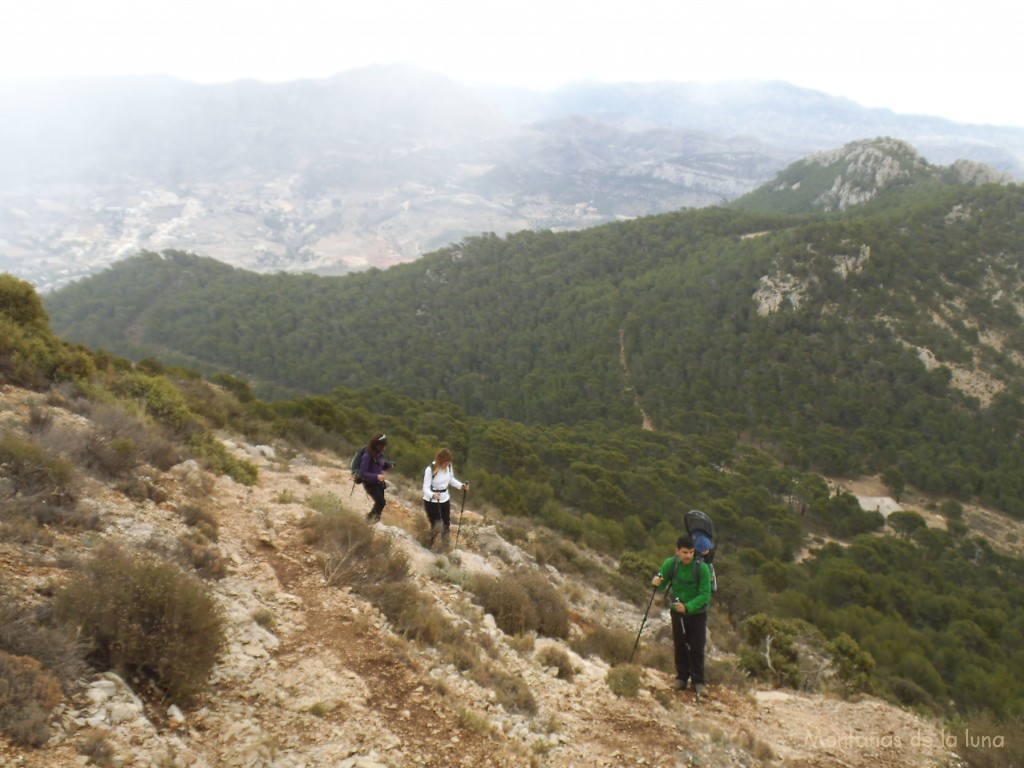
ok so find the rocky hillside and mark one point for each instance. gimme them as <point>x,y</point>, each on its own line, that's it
<point>857,173</point>
<point>313,674</point>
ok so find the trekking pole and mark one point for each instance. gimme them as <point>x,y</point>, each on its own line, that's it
<point>458,529</point>
<point>653,593</point>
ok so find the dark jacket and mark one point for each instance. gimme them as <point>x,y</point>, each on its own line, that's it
<point>371,467</point>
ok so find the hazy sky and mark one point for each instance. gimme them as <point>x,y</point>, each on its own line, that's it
<point>958,60</point>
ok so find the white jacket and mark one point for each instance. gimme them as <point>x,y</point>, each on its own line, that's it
<point>438,483</point>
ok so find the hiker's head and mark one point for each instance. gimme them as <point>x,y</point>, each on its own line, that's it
<point>443,458</point>
<point>684,548</point>
<point>378,443</point>
<point>702,543</point>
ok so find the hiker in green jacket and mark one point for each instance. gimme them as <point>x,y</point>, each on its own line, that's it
<point>689,584</point>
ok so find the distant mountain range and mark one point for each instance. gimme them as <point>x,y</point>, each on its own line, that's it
<point>379,165</point>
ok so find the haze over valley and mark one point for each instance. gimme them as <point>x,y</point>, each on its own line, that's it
<point>379,165</point>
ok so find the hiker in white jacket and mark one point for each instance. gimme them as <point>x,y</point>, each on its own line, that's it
<point>436,499</point>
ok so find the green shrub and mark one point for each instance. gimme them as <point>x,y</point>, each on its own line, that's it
<point>853,666</point>
<point>217,458</point>
<point>910,694</point>
<point>158,397</point>
<point>115,457</point>
<point>624,681</point>
<point>28,694</point>
<point>20,303</point>
<point>772,652</point>
<point>30,355</point>
<point>121,441</point>
<point>145,617</point>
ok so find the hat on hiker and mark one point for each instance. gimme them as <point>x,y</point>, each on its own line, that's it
<point>701,542</point>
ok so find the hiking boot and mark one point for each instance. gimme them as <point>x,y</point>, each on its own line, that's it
<point>679,684</point>
<point>699,688</point>
<point>372,519</point>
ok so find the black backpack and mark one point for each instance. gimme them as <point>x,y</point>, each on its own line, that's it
<point>698,522</point>
<point>356,464</point>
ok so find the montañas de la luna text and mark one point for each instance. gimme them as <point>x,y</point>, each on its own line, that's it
<point>948,739</point>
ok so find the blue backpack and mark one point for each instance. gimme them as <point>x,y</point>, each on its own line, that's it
<point>702,530</point>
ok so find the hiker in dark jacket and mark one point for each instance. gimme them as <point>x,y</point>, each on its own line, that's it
<point>689,586</point>
<point>436,499</point>
<point>371,471</point>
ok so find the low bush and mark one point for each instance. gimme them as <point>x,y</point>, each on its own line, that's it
<point>216,457</point>
<point>993,742</point>
<point>145,617</point>
<point>772,652</point>
<point>199,517</point>
<point>25,631</point>
<point>196,551</point>
<point>28,694</point>
<point>37,472</point>
<point>511,691</point>
<point>507,600</point>
<point>411,613</point>
<point>94,745</point>
<point>158,398</point>
<point>523,601</point>
<point>612,644</point>
<point>624,681</point>
<point>657,654</point>
<point>354,554</point>
<point>552,610</point>
<point>553,656</point>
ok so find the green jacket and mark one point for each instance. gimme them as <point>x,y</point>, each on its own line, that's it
<point>695,593</point>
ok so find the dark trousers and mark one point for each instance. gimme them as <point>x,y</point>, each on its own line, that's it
<point>376,492</point>
<point>690,636</point>
<point>439,512</point>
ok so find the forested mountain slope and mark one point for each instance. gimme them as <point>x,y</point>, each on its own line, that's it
<point>884,337</point>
